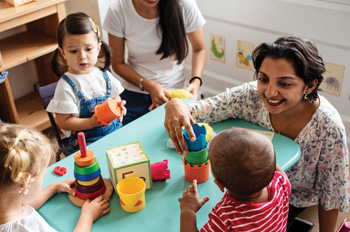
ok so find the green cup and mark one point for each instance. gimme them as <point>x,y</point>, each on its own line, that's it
<point>197,157</point>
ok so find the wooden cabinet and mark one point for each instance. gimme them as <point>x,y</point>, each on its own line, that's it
<point>37,43</point>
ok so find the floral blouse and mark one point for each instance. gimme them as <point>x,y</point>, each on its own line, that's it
<point>322,172</point>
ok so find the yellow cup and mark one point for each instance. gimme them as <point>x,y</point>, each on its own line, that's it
<point>131,191</point>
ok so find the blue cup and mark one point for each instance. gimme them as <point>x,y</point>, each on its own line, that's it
<point>200,142</point>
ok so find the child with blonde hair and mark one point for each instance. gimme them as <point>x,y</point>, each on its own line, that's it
<point>256,199</point>
<point>82,85</point>
<point>24,157</point>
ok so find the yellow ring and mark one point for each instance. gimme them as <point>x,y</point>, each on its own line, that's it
<point>176,128</point>
<point>172,132</point>
<point>88,183</point>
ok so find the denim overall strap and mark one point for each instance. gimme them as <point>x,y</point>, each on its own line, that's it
<point>86,111</point>
<point>74,87</point>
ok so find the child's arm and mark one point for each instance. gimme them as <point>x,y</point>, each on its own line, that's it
<point>71,123</point>
<point>90,212</point>
<point>279,169</point>
<point>47,192</point>
<point>189,205</point>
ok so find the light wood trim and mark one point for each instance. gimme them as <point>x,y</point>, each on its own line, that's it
<point>24,47</point>
<point>8,12</point>
<point>31,111</point>
<point>27,18</point>
<point>7,104</point>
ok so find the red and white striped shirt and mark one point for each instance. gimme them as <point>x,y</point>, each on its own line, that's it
<point>232,215</point>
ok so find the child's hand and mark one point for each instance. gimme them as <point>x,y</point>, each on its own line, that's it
<point>121,104</point>
<point>93,210</point>
<point>90,212</point>
<point>189,200</point>
<point>65,186</point>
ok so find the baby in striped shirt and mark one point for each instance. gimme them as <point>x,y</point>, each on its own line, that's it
<point>256,199</point>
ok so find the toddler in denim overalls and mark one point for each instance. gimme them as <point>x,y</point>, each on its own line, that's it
<point>82,86</point>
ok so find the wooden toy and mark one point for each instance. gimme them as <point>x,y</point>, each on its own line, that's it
<point>89,183</point>
<point>128,160</point>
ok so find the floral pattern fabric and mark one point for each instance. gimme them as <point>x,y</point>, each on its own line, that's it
<point>322,172</point>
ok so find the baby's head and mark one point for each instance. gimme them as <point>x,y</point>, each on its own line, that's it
<point>243,161</point>
<point>24,153</point>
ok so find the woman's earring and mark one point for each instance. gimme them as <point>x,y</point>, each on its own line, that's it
<point>305,97</point>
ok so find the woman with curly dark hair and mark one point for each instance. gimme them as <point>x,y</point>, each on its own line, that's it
<point>284,98</point>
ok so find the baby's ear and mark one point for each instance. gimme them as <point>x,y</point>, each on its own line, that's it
<point>220,185</point>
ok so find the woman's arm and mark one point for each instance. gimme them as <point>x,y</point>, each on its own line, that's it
<point>199,54</point>
<point>158,93</point>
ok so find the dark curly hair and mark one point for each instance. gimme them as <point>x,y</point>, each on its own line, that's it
<point>303,55</point>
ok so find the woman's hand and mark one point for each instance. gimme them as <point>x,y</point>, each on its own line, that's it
<point>177,114</point>
<point>194,88</point>
<point>158,94</point>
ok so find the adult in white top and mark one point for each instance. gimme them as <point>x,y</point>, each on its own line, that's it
<point>154,35</point>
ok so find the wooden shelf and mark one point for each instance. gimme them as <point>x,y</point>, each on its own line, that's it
<point>31,111</point>
<point>40,20</point>
<point>25,46</point>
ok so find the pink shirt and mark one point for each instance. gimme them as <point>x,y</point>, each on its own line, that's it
<point>232,215</point>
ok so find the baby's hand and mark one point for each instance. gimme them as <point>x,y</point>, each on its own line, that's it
<point>189,200</point>
<point>93,210</point>
<point>65,186</point>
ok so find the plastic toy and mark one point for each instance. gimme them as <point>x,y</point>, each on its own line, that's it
<point>131,191</point>
<point>200,142</point>
<point>196,161</point>
<point>344,227</point>
<point>180,93</point>
<point>209,129</point>
<point>89,183</point>
<point>60,170</point>
<point>159,170</point>
<point>108,111</point>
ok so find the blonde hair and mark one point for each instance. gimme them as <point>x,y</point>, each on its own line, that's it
<point>24,152</point>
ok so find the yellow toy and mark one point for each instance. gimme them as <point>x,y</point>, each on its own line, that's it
<point>209,131</point>
<point>180,93</point>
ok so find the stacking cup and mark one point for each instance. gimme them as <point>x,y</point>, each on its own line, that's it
<point>131,191</point>
<point>107,111</point>
<point>200,142</point>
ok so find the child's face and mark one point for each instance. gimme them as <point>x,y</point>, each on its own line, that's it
<point>80,52</point>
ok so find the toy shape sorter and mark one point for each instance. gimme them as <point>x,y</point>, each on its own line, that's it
<point>196,161</point>
<point>89,182</point>
<point>128,160</point>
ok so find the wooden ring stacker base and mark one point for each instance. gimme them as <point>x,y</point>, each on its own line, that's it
<point>79,202</point>
<point>84,161</point>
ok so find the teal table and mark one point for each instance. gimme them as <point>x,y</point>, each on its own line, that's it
<point>162,211</point>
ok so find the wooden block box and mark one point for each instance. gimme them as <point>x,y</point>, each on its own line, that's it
<point>128,160</point>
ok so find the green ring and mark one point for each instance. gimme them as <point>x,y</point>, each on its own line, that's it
<point>88,169</point>
<point>197,157</point>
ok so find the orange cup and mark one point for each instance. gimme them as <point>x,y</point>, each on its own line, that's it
<point>107,111</point>
<point>200,173</point>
